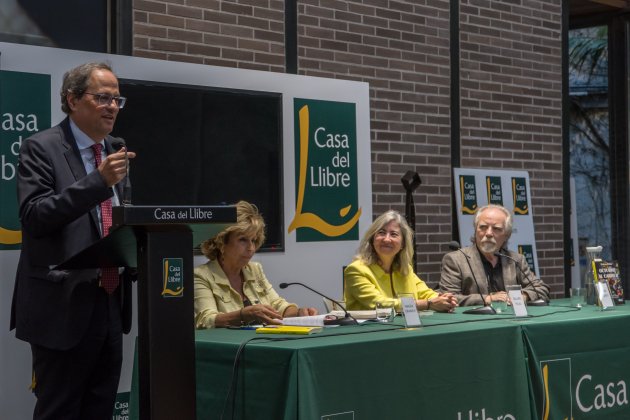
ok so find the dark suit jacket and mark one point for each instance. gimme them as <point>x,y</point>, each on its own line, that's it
<point>457,277</point>
<point>58,200</point>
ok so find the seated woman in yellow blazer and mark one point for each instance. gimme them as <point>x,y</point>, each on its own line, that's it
<point>232,290</point>
<point>382,270</point>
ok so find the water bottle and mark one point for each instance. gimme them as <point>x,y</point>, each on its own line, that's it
<point>593,253</point>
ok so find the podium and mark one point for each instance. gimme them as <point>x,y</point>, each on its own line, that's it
<point>159,241</point>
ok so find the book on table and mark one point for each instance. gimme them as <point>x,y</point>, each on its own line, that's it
<point>609,271</point>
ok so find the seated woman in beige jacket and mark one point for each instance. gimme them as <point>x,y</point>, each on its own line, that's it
<point>232,290</point>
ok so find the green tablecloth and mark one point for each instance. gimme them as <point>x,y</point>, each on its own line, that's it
<point>460,367</point>
<point>579,364</point>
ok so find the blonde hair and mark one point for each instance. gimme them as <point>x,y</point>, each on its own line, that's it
<point>249,222</point>
<point>367,254</point>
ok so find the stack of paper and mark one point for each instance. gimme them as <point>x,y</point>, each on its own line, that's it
<point>365,314</point>
<point>311,321</point>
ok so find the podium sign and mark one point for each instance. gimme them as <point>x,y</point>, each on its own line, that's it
<point>159,241</point>
<point>203,221</point>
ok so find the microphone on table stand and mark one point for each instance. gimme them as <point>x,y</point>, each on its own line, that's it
<point>346,320</point>
<point>538,302</point>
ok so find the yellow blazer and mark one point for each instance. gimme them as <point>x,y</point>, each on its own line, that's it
<point>366,285</point>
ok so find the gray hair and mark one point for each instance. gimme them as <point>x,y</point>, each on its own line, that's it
<point>367,253</point>
<point>76,81</point>
<point>508,219</point>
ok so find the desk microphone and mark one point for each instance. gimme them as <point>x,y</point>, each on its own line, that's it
<point>538,302</point>
<point>486,309</point>
<point>346,320</point>
<point>117,144</point>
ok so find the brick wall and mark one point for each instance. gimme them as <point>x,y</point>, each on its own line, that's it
<point>510,89</point>
<point>511,106</point>
<point>244,33</point>
<point>401,48</point>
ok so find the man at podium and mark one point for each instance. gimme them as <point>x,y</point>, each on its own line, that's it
<point>68,179</point>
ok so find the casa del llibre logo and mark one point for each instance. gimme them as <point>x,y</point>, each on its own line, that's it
<point>327,204</point>
<point>24,110</point>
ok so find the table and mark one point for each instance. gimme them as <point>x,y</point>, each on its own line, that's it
<point>460,367</point>
<point>579,363</point>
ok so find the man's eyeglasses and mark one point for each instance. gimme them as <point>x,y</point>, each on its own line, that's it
<point>496,229</point>
<point>104,99</point>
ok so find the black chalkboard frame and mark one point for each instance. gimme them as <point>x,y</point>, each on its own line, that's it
<point>202,145</point>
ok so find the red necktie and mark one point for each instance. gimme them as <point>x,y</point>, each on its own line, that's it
<point>109,275</point>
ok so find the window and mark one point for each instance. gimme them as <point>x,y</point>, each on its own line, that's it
<point>71,24</point>
<point>589,135</point>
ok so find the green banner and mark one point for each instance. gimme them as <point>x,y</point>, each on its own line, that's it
<point>580,369</point>
<point>494,189</point>
<point>583,385</point>
<point>327,200</point>
<point>468,194</point>
<point>556,377</point>
<point>24,110</point>
<point>519,192</point>
<point>121,406</point>
<point>528,252</point>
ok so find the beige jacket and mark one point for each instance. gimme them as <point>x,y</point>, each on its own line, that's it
<point>214,295</point>
<point>458,278</point>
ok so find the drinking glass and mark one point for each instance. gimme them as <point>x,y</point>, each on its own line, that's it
<point>500,306</point>
<point>385,311</point>
<point>578,297</point>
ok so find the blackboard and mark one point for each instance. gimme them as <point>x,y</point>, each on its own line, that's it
<point>198,145</point>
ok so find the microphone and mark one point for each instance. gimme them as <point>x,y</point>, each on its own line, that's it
<point>346,320</point>
<point>117,144</point>
<point>538,302</point>
<point>486,309</point>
